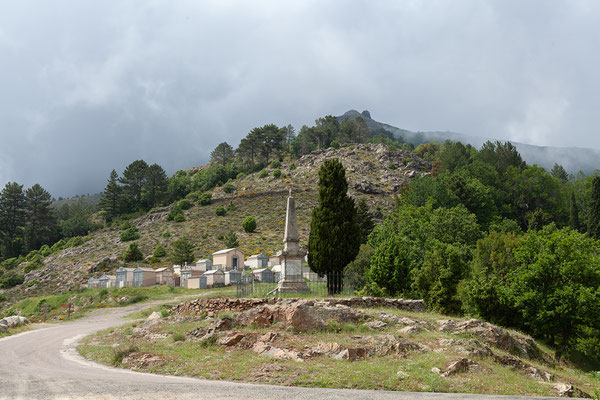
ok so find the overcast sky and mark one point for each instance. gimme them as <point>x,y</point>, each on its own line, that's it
<point>88,86</point>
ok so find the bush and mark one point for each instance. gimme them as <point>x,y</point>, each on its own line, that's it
<point>184,204</point>
<point>179,218</point>
<point>166,235</point>
<point>45,250</point>
<point>10,280</point>
<point>293,166</point>
<point>220,211</point>
<point>231,206</point>
<point>74,242</point>
<point>32,254</point>
<point>37,263</point>
<point>130,234</point>
<point>133,253</point>
<point>11,263</point>
<point>275,164</point>
<point>2,298</point>
<point>240,175</point>
<point>125,225</point>
<point>228,188</point>
<point>58,246</point>
<point>205,199</point>
<point>159,251</point>
<point>249,224</point>
<point>263,174</point>
<point>277,173</point>
<point>119,353</point>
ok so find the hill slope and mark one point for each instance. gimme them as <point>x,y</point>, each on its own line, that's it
<point>573,159</point>
<point>374,173</point>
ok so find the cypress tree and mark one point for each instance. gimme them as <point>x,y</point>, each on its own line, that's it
<point>334,238</point>
<point>183,251</point>
<point>574,217</point>
<point>594,217</point>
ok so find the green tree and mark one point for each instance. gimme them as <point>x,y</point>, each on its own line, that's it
<point>231,240</point>
<point>159,251</point>
<point>559,173</point>
<point>133,180</point>
<point>111,200</point>
<point>364,220</point>
<point>41,223</point>
<point>183,252</point>
<point>13,216</point>
<point>133,253</point>
<point>222,154</point>
<point>574,213</point>
<point>356,271</point>
<point>155,186</point>
<point>501,156</point>
<point>594,209</point>
<point>179,185</point>
<point>390,266</point>
<point>249,224</point>
<point>334,239</point>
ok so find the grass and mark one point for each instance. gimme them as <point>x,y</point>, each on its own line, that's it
<point>205,359</point>
<point>91,299</point>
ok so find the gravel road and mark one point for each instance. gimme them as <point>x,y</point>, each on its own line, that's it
<point>44,364</point>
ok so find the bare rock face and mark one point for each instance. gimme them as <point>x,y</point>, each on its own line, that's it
<point>231,339</point>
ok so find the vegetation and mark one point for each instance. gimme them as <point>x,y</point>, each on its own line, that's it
<point>133,253</point>
<point>183,252</point>
<point>249,224</point>
<point>334,237</point>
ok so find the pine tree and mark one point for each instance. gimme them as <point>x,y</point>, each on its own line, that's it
<point>594,216</point>
<point>155,186</point>
<point>222,154</point>
<point>574,217</point>
<point>133,253</point>
<point>12,219</point>
<point>183,251</point>
<point>133,180</point>
<point>231,240</point>
<point>111,198</point>
<point>334,238</point>
<point>41,223</point>
<point>364,220</point>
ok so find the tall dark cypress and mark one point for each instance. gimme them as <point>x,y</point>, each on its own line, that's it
<point>594,217</point>
<point>334,238</point>
<point>574,213</point>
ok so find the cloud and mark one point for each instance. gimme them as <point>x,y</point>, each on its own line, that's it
<point>88,87</point>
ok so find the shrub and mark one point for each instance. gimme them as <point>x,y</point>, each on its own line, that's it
<point>133,253</point>
<point>220,211</point>
<point>37,263</point>
<point>277,173</point>
<point>159,251</point>
<point>205,199</point>
<point>275,164</point>
<point>2,298</point>
<point>228,188</point>
<point>392,166</point>
<point>335,144</point>
<point>45,250</point>
<point>74,242</point>
<point>11,263</point>
<point>58,246</point>
<point>184,204</point>
<point>293,166</point>
<point>166,234</point>
<point>32,254</point>
<point>231,206</point>
<point>125,225</point>
<point>208,342</point>
<point>179,218</point>
<point>30,284</point>
<point>10,280</point>
<point>240,175</point>
<point>231,240</point>
<point>249,224</point>
<point>263,174</point>
<point>130,234</point>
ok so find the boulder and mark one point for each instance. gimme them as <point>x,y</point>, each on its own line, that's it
<point>230,340</point>
<point>460,366</point>
<point>15,320</point>
<point>568,390</point>
<point>376,324</point>
<point>154,316</point>
<point>352,354</point>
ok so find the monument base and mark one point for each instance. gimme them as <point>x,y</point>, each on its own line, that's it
<point>291,285</point>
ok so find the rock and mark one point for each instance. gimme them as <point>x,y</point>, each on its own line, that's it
<point>538,374</point>
<point>268,337</point>
<point>436,370</point>
<point>462,365</point>
<point>496,337</point>
<point>376,324</point>
<point>154,316</point>
<point>3,328</point>
<point>328,349</point>
<point>351,354</point>
<point>402,375</point>
<point>14,321</point>
<point>567,390</point>
<point>260,347</point>
<point>410,330</point>
<point>230,340</point>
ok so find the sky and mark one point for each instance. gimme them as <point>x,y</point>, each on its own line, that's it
<point>90,86</point>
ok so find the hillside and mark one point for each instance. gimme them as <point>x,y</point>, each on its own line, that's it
<point>573,159</point>
<point>374,173</point>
